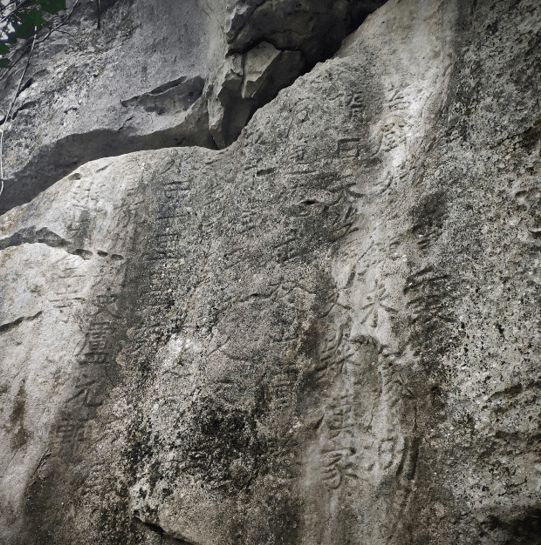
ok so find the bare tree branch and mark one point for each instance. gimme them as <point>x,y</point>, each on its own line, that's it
<point>9,113</point>
<point>63,22</point>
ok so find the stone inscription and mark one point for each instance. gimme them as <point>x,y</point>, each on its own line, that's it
<point>91,381</point>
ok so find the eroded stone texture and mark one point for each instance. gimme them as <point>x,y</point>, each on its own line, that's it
<point>88,93</point>
<point>315,27</point>
<point>324,334</point>
<point>155,74</point>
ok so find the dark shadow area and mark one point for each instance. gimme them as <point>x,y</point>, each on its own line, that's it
<point>57,160</point>
<point>67,154</point>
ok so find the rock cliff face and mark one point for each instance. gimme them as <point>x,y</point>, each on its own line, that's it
<point>156,74</point>
<point>323,334</point>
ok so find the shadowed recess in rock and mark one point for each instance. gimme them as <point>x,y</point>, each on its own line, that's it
<point>157,76</point>
<point>325,334</point>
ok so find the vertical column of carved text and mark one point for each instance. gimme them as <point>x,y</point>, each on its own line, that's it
<point>92,378</point>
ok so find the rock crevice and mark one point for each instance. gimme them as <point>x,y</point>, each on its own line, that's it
<point>153,76</point>
<point>324,333</point>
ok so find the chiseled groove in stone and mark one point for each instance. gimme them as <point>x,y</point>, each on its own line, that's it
<point>195,89</point>
<point>29,235</point>
<point>19,321</point>
<point>23,185</point>
<point>166,539</point>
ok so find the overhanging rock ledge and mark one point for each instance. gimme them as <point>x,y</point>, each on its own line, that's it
<point>325,334</point>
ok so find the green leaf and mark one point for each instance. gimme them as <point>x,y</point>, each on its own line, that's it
<point>28,20</point>
<point>28,23</point>
<point>4,63</point>
<point>53,6</point>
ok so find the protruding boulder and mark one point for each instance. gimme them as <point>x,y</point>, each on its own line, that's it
<point>327,333</point>
<point>154,75</point>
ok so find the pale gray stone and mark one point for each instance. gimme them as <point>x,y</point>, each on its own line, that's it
<point>325,334</point>
<point>154,75</point>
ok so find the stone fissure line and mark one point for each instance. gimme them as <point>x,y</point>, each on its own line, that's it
<point>205,110</point>
<point>30,235</point>
<point>11,325</point>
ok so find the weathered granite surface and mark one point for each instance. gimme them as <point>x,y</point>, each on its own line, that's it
<point>156,74</point>
<point>325,334</point>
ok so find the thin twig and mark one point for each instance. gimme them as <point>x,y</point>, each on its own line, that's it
<point>15,10</point>
<point>63,22</point>
<point>9,113</point>
<point>11,66</point>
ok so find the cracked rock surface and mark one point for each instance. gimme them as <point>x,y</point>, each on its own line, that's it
<point>324,334</point>
<point>315,27</point>
<point>156,74</point>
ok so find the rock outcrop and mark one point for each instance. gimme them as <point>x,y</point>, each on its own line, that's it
<point>155,75</point>
<point>325,334</point>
